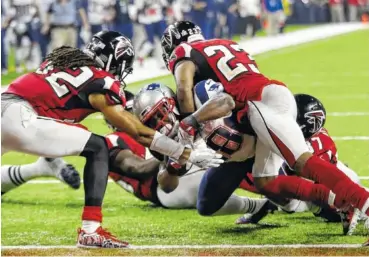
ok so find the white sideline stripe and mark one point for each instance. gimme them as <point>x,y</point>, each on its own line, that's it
<point>351,138</point>
<point>45,247</point>
<point>54,181</point>
<point>344,114</point>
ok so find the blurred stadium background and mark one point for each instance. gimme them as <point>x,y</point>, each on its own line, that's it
<point>32,28</point>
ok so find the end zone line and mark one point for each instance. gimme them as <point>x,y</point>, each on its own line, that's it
<point>138,247</point>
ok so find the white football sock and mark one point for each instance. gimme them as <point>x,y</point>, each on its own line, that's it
<point>13,176</point>
<point>90,226</point>
<point>240,205</point>
<point>297,206</point>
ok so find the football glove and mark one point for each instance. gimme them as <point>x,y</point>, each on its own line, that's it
<point>188,128</point>
<point>205,158</point>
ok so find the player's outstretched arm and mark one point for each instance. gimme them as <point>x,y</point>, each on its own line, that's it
<point>130,164</point>
<point>184,74</point>
<point>128,123</point>
<point>219,106</point>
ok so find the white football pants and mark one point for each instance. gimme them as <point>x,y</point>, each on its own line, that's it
<point>279,137</point>
<point>22,130</point>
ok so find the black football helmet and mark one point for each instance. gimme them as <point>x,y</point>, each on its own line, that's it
<point>113,52</point>
<point>311,114</point>
<point>174,34</point>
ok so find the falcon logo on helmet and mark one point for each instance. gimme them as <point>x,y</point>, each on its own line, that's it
<point>113,52</point>
<point>123,47</point>
<point>316,119</point>
<point>311,114</point>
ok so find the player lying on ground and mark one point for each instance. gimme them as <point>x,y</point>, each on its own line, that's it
<point>266,105</point>
<point>155,105</point>
<point>40,109</point>
<point>135,170</point>
<point>311,118</point>
<point>13,176</point>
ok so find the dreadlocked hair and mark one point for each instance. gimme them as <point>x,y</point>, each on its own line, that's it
<point>66,57</point>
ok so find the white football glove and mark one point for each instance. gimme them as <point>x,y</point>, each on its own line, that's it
<point>205,158</point>
<point>187,131</point>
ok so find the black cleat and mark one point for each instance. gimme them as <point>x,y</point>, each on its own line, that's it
<point>70,176</point>
<point>248,218</point>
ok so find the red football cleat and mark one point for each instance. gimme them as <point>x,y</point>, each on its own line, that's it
<point>101,238</point>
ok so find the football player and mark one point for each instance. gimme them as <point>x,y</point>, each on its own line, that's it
<point>149,13</point>
<point>256,100</point>
<point>223,135</point>
<point>157,109</point>
<point>23,14</point>
<point>40,111</point>
<point>135,170</point>
<point>311,117</point>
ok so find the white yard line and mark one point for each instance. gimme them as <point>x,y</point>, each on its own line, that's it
<point>345,114</point>
<point>351,138</point>
<point>45,247</point>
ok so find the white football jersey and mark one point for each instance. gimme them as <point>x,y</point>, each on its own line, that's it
<point>24,10</point>
<point>150,11</point>
<point>98,9</point>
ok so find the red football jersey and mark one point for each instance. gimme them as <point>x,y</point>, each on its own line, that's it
<point>224,61</point>
<point>144,189</point>
<point>63,95</point>
<point>323,146</point>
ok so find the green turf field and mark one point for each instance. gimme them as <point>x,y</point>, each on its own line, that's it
<point>335,70</point>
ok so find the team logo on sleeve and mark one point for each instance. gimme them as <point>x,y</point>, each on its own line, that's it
<point>315,118</point>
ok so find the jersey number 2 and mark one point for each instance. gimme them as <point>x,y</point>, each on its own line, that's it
<point>228,72</point>
<point>61,89</point>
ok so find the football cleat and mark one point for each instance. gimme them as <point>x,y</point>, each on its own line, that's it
<point>349,221</point>
<point>254,218</point>
<point>101,238</point>
<point>70,176</point>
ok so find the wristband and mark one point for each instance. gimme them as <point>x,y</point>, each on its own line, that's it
<point>166,146</point>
